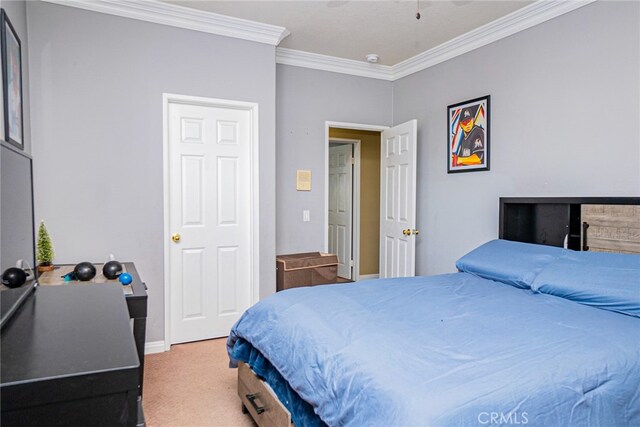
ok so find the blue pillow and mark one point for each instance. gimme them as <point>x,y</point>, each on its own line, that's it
<point>603,280</point>
<point>513,263</point>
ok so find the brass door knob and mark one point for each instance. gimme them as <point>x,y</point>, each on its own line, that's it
<point>407,232</point>
<point>175,237</point>
<point>416,231</point>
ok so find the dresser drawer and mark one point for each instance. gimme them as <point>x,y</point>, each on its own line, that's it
<point>256,394</point>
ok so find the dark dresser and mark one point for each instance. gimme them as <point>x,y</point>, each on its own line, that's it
<point>69,358</point>
<point>135,296</point>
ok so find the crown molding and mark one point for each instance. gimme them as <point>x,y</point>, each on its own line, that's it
<point>213,23</point>
<point>317,61</point>
<point>522,19</point>
<point>183,17</point>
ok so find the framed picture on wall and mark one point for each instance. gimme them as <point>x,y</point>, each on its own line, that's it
<point>11,83</point>
<point>468,135</point>
<point>2,136</point>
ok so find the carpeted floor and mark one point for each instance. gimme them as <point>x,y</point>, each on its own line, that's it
<point>192,385</point>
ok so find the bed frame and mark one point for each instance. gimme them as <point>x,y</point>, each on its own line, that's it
<point>259,400</point>
<point>603,224</point>
<point>610,224</point>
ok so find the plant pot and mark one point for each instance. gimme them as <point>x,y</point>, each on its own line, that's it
<point>42,268</point>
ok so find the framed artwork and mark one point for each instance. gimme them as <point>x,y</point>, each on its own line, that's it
<point>11,83</point>
<point>2,135</point>
<point>468,135</point>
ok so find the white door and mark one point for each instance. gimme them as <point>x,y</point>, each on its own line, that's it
<point>341,206</point>
<point>398,200</point>
<point>209,219</point>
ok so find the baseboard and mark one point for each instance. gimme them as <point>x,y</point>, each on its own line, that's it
<point>154,347</point>
<point>368,276</point>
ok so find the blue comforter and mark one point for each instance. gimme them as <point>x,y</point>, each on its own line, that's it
<point>449,350</point>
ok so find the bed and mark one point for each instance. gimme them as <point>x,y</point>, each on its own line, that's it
<point>521,334</point>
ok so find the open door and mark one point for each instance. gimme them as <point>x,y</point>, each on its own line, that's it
<point>398,200</point>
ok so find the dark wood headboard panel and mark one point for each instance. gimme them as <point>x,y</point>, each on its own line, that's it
<point>614,224</point>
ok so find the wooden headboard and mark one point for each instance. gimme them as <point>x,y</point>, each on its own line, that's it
<point>603,224</point>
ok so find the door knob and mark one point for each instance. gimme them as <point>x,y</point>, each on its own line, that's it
<point>407,232</point>
<point>176,237</point>
<point>416,231</point>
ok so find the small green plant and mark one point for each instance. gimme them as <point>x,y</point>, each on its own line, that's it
<point>44,247</point>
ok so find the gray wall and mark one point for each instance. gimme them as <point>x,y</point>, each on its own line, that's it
<point>565,104</point>
<point>17,13</point>
<point>305,100</point>
<point>565,122</point>
<point>97,82</point>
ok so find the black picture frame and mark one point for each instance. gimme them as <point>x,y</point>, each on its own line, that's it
<point>2,131</point>
<point>468,142</point>
<point>12,83</point>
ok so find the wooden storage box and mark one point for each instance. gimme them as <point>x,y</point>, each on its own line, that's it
<point>305,269</point>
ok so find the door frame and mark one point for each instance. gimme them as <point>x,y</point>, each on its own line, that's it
<point>355,204</point>
<point>254,232</point>
<point>356,192</point>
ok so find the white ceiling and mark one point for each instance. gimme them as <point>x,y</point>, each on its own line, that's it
<point>351,29</point>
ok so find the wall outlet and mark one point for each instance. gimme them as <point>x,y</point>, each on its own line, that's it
<point>306,217</point>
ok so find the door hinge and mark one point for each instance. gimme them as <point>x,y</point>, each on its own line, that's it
<point>353,161</point>
<point>351,263</point>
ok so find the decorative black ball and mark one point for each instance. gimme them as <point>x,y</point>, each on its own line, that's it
<point>14,277</point>
<point>84,271</point>
<point>112,270</point>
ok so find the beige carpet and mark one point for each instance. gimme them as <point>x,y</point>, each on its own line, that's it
<point>192,385</point>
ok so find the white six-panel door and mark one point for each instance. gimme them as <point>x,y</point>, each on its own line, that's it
<point>341,206</point>
<point>398,201</point>
<point>209,152</point>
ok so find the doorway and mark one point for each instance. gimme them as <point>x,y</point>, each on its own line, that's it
<point>211,215</point>
<point>353,201</point>
<point>393,184</point>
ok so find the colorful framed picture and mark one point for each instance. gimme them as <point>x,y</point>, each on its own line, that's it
<point>468,135</point>
<point>12,83</point>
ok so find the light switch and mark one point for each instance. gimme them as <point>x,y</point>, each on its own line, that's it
<point>305,216</point>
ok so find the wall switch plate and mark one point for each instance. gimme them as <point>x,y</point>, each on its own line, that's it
<point>306,217</point>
